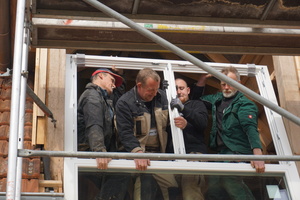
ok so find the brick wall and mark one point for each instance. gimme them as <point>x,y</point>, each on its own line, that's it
<point>31,166</point>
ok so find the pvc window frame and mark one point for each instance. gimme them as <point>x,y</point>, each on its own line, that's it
<point>72,166</point>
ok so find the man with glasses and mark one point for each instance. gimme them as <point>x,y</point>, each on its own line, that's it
<point>95,128</point>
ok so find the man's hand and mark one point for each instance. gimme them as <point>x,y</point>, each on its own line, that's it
<point>202,79</point>
<point>141,164</point>
<point>102,163</point>
<point>116,70</point>
<point>176,103</point>
<point>258,165</point>
<point>180,122</point>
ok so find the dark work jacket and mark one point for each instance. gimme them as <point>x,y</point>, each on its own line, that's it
<point>196,116</point>
<point>94,120</point>
<point>133,121</point>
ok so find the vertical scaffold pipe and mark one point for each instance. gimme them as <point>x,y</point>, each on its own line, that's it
<point>15,102</point>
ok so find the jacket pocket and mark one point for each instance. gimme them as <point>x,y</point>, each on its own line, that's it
<point>141,125</point>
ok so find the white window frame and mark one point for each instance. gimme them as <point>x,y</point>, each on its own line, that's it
<point>73,165</point>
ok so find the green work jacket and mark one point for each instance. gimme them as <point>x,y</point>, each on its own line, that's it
<point>239,124</point>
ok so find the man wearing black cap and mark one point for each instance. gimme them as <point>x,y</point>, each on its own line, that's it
<point>95,114</point>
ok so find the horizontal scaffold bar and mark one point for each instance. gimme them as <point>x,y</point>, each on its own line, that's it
<point>156,156</point>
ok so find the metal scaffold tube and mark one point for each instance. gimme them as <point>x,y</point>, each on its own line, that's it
<point>15,103</point>
<point>156,156</point>
<point>181,53</point>
<point>22,111</point>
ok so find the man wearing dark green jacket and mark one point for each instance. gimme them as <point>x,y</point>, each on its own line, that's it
<point>234,131</point>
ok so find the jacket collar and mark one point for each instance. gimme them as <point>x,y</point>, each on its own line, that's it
<point>98,88</point>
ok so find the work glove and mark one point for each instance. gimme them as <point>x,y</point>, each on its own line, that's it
<point>176,103</point>
<point>165,84</point>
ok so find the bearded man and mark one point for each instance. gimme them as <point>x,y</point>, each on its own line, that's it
<point>234,131</point>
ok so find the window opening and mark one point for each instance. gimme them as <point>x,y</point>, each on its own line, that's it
<point>286,170</point>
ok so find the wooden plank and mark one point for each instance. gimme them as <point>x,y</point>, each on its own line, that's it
<point>289,95</point>
<point>54,138</point>
<point>41,188</point>
<point>50,183</point>
<point>297,61</point>
<point>40,85</point>
<point>250,59</point>
<point>219,58</point>
<point>39,88</point>
<point>35,107</point>
<point>41,130</point>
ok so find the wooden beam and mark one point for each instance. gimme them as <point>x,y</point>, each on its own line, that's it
<point>255,59</point>
<point>297,61</point>
<point>152,47</point>
<point>54,138</point>
<point>218,58</point>
<point>167,19</point>
<point>289,95</point>
<point>38,130</point>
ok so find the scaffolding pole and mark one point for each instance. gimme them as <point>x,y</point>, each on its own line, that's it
<point>155,156</point>
<point>15,103</point>
<point>22,109</point>
<point>181,53</point>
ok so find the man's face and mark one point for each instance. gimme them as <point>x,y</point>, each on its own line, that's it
<point>227,90</point>
<point>148,91</point>
<point>108,83</point>
<point>182,90</point>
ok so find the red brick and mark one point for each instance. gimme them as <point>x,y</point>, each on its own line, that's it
<point>4,105</point>
<point>29,106</point>
<point>3,148</point>
<point>27,145</point>
<point>30,185</point>
<point>5,82</point>
<point>28,119</point>
<point>27,133</point>
<point>31,168</point>
<point>5,93</point>
<point>4,132</point>
<point>3,167</point>
<point>4,118</point>
<point>3,185</point>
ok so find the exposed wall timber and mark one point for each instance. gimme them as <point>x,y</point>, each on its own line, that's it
<point>50,87</point>
<point>289,95</point>
<point>38,128</point>
<point>55,98</point>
